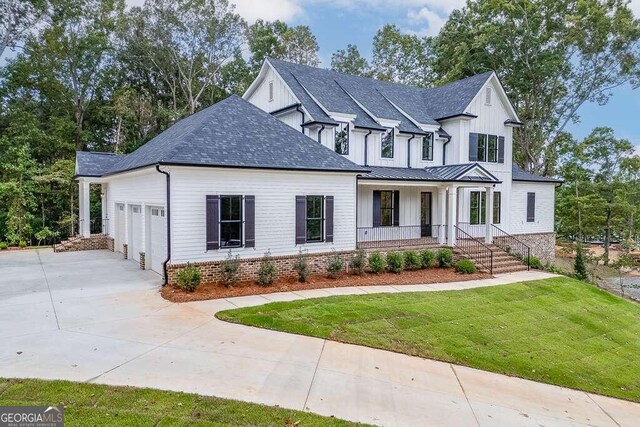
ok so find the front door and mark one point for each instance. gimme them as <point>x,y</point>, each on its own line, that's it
<point>425,214</point>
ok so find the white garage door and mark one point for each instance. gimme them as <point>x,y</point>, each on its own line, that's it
<point>157,239</point>
<point>119,227</point>
<point>135,234</point>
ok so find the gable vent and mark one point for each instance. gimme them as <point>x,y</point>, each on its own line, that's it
<point>271,91</point>
<point>487,96</point>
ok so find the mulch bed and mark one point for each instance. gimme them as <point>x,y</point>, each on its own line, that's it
<point>418,277</point>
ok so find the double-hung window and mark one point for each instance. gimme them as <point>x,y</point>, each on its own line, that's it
<point>230,221</point>
<point>486,148</point>
<point>386,208</point>
<point>387,145</point>
<point>478,212</point>
<point>315,218</point>
<point>427,147</point>
<point>342,139</point>
<point>492,149</point>
<point>482,147</point>
<point>497,208</point>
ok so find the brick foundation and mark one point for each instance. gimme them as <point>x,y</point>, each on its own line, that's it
<point>95,242</point>
<point>543,245</point>
<point>125,251</point>
<point>142,261</point>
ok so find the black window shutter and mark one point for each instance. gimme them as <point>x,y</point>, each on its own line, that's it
<point>473,147</point>
<point>301,220</point>
<point>501,149</point>
<point>328,206</point>
<point>212,222</point>
<point>531,207</point>
<point>376,208</point>
<point>249,221</point>
<point>396,208</point>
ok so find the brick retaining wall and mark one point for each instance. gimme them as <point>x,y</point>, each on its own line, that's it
<point>95,242</point>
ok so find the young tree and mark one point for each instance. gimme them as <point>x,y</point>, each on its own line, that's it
<point>580,266</point>
<point>350,61</point>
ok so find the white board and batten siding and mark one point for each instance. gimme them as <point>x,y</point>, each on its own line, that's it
<point>274,192</point>
<point>282,96</point>
<point>544,207</point>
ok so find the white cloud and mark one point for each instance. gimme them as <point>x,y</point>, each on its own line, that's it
<point>271,10</point>
<point>428,17</point>
<point>634,5</point>
<point>637,150</point>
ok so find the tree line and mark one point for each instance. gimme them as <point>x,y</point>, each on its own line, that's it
<point>94,75</point>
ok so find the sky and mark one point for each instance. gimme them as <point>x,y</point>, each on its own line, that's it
<point>337,23</point>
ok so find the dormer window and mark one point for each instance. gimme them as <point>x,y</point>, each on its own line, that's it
<point>271,91</point>
<point>487,96</point>
<point>342,139</point>
<point>427,147</point>
<point>387,145</point>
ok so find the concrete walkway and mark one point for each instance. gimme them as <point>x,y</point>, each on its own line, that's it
<point>90,316</point>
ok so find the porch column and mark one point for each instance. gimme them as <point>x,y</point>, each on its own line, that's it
<point>83,208</point>
<point>105,212</point>
<point>452,215</point>
<point>442,215</point>
<point>488,236</point>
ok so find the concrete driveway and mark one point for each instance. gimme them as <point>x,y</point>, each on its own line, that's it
<point>90,316</point>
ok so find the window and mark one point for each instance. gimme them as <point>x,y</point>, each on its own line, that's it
<point>478,212</point>
<point>497,201</point>
<point>270,91</point>
<point>136,209</point>
<point>486,148</point>
<point>387,145</point>
<point>487,96</point>
<point>482,147</point>
<point>342,139</point>
<point>162,212</point>
<point>386,208</point>
<point>531,207</point>
<point>492,148</point>
<point>154,212</point>
<point>427,147</point>
<point>315,218</point>
<point>230,221</point>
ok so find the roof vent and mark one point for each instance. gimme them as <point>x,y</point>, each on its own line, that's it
<point>487,96</point>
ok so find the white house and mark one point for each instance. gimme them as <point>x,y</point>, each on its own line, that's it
<point>325,162</point>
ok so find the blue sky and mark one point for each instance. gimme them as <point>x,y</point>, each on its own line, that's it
<point>340,22</point>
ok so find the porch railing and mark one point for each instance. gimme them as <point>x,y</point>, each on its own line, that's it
<point>511,245</point>
<point>474,249</point>
<point>398,236</point>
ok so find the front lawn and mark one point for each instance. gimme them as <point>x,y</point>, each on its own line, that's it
<point>100,405</point>
<point>560,331</point>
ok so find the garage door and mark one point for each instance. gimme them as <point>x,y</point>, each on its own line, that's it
<point>157,239</point>
<point>135,233</point>
<point>119,227</point>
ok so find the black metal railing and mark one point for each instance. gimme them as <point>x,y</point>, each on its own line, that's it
<point>474,249</point>
<point>398,236</point>
<point>511,245</point>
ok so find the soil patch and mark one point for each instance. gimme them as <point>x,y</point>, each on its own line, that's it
<point>418,277</point>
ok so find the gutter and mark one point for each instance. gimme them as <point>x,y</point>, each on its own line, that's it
<point>299,110</point>
<point>320,134</point>
<point>444,151</point>
<point>168,209</point>
<point>413,135</point>
<point>366,148</point>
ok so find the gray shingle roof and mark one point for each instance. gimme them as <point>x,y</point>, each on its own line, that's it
<point>424,105</point>
<point>518,174</point>
<point>94,164</point>
<point>234,133</point>
<point>449,173</point>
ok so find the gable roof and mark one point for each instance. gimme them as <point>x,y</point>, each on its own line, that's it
<point>448,173</point>
<point>336,92</point>
<point>518,174</point>
<point>234,133</point>
<point>95,164</point>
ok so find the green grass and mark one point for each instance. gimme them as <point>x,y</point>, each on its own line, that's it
<point>100,405</point>
<point>560,331</point>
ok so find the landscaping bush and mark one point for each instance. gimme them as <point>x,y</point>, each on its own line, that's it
<point>395,262</point>
<point>377,263</point>
<point>465,266</point>
<point>3,246</point>
<point>444,257</point>
<point>428,258</point>
<point>580,265</point>
<point>301,266</point>
<point>535,263</point>
<point>335,265</point>
<point>267,272</point>
<point>22,244</point>
<point>230,269</point>
<point>189,278</point>
<point>358,262</point>
<point>412,260</point>
<point>45,235</point>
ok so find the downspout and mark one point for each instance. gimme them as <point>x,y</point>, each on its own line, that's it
<point>413,135</point>
<point>444,151</point>
<point>299,110</point>
<point>319,133</point>
<point>168,209</point>
<point>366,148</point>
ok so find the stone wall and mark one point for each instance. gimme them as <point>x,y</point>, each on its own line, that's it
<point>95,242</point>
<point>543,245</point>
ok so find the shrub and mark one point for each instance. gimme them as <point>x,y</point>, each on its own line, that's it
<point>22,244</point>
<point>395,262</point>
<point>3,246</point>
<point>535,263</point>
<point>230,269</point>
<point>189,278</point>
<point>580,265</point>
<point>444,257</point>
<point>302,266</point>
<point>377,263</point>
<point>46,234</point>
<point>358,262</point>
<point>412,260</point>
<point>267,272</point>
<point>428,258</point>
<point>465,266</point>
<point>335,265</point>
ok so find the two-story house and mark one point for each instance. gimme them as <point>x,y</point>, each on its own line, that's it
<point>321,162</point>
